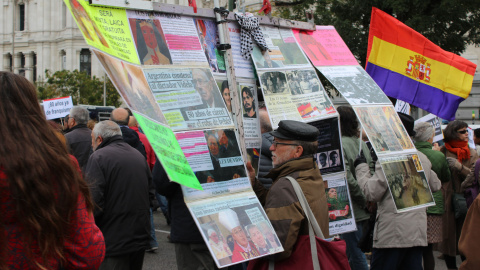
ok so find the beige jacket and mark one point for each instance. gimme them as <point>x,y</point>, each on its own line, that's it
<point>392,229</point>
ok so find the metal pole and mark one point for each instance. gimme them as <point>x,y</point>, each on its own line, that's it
<point>224,38</point>
<point>13,37</point>
<point>105,90</point>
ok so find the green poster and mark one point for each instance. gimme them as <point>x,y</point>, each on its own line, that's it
<point>104,28</point>
<point>169,152</point>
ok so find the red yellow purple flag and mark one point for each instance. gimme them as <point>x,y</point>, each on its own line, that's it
<point>409,67</point>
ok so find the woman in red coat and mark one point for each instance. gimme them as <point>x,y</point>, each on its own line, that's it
<point>46,219</point>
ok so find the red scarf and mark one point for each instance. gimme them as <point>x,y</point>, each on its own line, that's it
<point>460,148</point>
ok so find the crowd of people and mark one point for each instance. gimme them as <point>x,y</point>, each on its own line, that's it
<point>81,196</point>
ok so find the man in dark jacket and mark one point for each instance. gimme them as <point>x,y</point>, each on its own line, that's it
<point>79,140</point>
<point>190,250</point>
<point>265,153</point>
<point>121,117</point>
<point>122,188</point>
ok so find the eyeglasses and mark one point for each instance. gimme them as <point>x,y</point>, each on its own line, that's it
<point>275,143</point>
<point>200,82</point>
<point>462,131</point>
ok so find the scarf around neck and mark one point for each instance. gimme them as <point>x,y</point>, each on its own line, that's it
<point>460,148</point>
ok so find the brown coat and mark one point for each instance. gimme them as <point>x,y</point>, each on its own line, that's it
<point>282,206</point>
<point>451,228</point>
<point>469,243</point>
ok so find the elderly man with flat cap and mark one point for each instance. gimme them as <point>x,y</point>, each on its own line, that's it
<point>293,148</point>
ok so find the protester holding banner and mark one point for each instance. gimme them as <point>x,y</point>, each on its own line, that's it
<point>399,238</point>
<point>423,142</point>
<point>460,159</point>
<point>46,219</point>
<point>350,141</point>
<point>293,148</point>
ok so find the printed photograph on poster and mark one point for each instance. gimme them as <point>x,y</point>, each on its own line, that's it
<point>340,212</point>
<point>214,155</point>
<point>329,155</point>
<point>308,94</point>
<point>225,92</point>
<point>325,47</point>
<point>253,155</point>
<point>398,128</point>
<point>381,131</point>
<point>87,26</point>
<point>149,38</point>
<point>407,182</point>
<point>274,82</point>
<point>242,223</point>
<point>284,50</point>
<point>435,122</point>
<point>189,97</point>
<point>355,85</point>
<point>208,34</point>
<point>132,86</point>
<point>248,100</point>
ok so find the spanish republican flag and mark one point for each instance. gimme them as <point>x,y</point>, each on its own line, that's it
<point>409,67</point>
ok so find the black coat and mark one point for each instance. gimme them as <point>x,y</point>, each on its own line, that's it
<point>130,136</point>
<point>122,188</point>
<point>79,143</point>
<point>183,227</point>
<point>265,163</point>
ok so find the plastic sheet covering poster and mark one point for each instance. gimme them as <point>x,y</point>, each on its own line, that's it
<point>384,129</point>
<point>188,97</point>
<point>243,67</point>
<point>208,34</point>
<point>340,210</point>
<point>407,182</point>
<point>164,39</point>
<point>283,53</point>
<point>132,86</point>
<point>104,28</point>
<point>235,228</point>
<point>355,85</point>
<point>329,156</point>
<point>294,95</point>
<point>325,47</point>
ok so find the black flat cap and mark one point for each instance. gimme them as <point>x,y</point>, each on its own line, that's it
<point>294,130</point>
<point>408,122</point>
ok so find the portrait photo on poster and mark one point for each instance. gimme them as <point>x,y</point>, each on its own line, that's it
<point>225,156</point>
<point>243,227</point>
<point>329,155</point>
<point>130,82</point>
<point>150,41</point>
<point>208,34</point>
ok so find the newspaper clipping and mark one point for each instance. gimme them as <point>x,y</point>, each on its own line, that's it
<point>407,182</point>
<point>329,155</point>
<point>188,97</point>
<point>385,132</point>
<point>235,228</point>
<point>355,85</point>
<point>340,212</point>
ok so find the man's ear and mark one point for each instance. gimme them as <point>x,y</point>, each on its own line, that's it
<point>298,151</point>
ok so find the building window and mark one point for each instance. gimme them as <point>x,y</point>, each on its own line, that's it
<point>63,60</point>
<point>86,61</point>
<point>10,59</point>
<point>21,17</point>
<point>21,71</point>
<point>34,67</point>
<point>64,15</point>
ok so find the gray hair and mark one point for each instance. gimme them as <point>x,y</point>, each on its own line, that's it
<point>80,114</point>
<point>424,131</point>
<point>106,129</point>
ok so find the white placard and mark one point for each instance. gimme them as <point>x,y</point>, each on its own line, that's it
<point>57,107</point>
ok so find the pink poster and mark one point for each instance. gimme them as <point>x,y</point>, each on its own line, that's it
<point>325,47</point>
